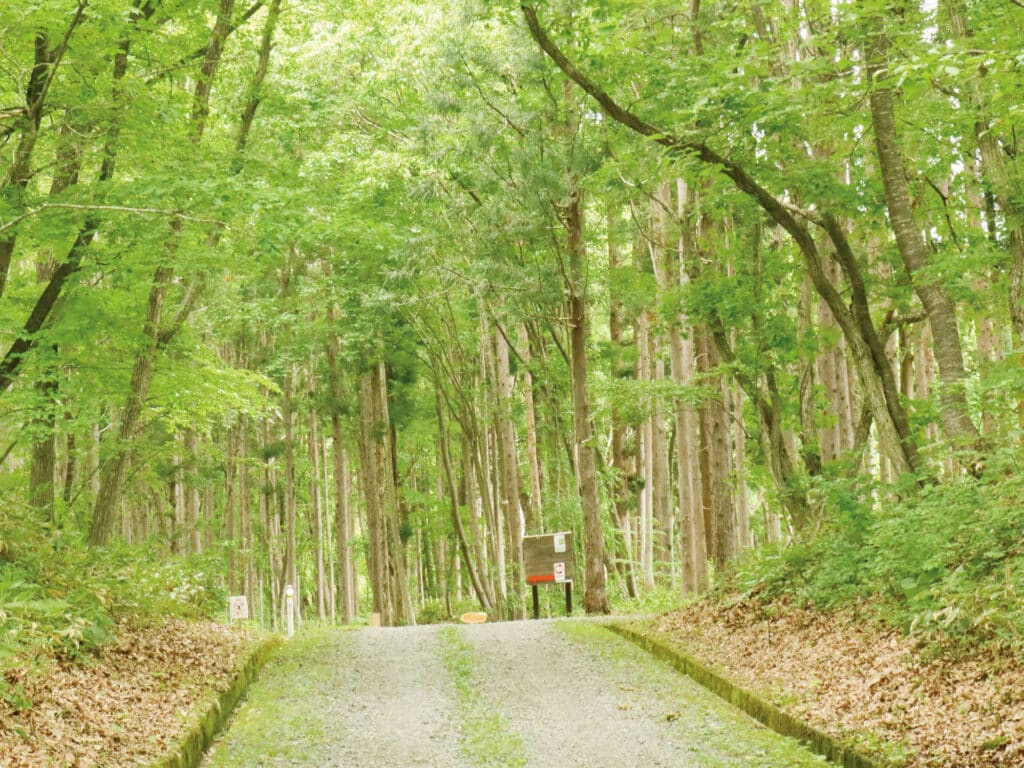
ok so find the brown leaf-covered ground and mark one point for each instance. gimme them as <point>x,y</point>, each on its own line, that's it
<point>846,676</point>
<point>127,707</point>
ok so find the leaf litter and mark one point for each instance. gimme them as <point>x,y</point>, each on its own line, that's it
<point>866,683</point>
<point>127,706</point>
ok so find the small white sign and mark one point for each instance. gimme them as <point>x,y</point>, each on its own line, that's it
<point>559,540</point>
<point>559,569</point>
<point>238,607</point>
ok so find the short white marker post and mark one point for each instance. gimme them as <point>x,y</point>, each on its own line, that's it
<point>289,601</point>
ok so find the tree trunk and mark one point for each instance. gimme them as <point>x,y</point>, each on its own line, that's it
<point>938,306</point>
<point>595,597</point>
<point>369,433</point>
<point>113,474</point>
<point>317,515</point>
<point>621,498</point>
<point>343,530</point>
<point>645,457</point>
<point>290,574</point>
<point>231,516</point>
<point>191,480</point>
<point>509,466</point>
<point>402,599</point>
<point>534,516</point>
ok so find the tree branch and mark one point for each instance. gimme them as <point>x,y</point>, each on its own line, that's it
<point>675,144</point>
<point>4,226</point>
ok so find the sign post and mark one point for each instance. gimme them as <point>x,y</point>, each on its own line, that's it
<point>289,602</point>
<point>548,560</point>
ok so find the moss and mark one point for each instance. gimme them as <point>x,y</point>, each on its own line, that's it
<point>214,713</point>
<point>285,720</point>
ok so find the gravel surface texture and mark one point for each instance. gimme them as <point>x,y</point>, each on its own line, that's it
<point>557,694</point>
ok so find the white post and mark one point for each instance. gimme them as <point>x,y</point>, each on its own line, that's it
<point>289,596</point>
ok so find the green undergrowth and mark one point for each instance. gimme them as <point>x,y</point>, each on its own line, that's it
<point>945,562</point>
<point>60,598</point>
<point>664,597</point>
<point>435,611</point>
<point>487,740</point>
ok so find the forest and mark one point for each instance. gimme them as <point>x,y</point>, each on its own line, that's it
<point>354,296</point>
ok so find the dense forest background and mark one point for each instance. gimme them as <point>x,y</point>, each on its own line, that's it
<point>353,296</point>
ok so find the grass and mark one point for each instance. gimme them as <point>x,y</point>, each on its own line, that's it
<point>284,723</point>
<point>487,739</point>
<point>717,734</point>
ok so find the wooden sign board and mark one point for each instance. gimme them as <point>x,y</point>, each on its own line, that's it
<point>548,558</point>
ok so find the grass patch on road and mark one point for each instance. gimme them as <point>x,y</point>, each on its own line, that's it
<point>285,718</point>
<point>487,740</point>
<point>716,733</point>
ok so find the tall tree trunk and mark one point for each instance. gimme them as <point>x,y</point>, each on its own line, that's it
<point>692,540</point>
<point>720,465</point>
<point>231,516</point>
<point>369,434</point>
<point>317,515</point>
<point>509,466</point>
<point>245,514</point>
<point>476,516</point>
<point>941,312</point>
<point>534,514</point>
<point>645,456</point>
<point>191,483</point>
<point>343,530</point>
<point>113,474</point>
<point>621,501</point>
<point>402,599</point>
<point>290,574</point>
<point>595,596</point>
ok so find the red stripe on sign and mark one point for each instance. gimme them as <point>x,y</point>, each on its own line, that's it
<point>538,579</point>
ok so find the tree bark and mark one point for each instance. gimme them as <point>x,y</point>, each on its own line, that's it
<point>509,466</point>
<point>369,433</point>
<point>113,474</point>
<point>621,497</point>
<point>941,312</point>
<point>317,514</point>
<point>595,596</point>
<point>645,458</point>
<point>534,516</point>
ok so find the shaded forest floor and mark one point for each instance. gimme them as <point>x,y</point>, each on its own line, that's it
<point>126,707</point>
<point>937,708</point>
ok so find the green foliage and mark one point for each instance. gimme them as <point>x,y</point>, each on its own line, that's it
<point>61,598</point>
<point>664,597</point>
<point>945,563</point>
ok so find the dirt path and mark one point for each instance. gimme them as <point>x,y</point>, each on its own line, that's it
<point>538,693</point>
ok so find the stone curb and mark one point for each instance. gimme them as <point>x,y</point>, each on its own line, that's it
<point>200,733</point>
<point>755,706</point>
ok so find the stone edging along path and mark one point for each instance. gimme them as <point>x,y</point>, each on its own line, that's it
<point>755,706</point>
<point>211,715</point>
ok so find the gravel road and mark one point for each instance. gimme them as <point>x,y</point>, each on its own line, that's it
<point>556,694</point>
